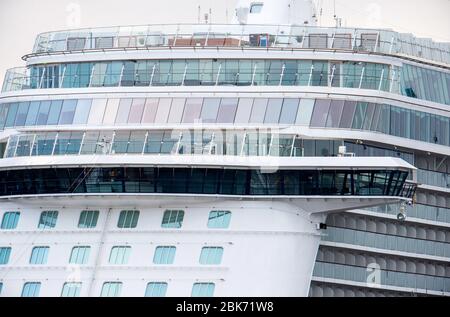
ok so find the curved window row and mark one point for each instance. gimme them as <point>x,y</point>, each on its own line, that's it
<point>411,81</point>
<point>381,277</point>
<point>203,181</point>
<point>258,142</point>
<point>319,113</point>
<point>205,72</point>
<point>427,84</point>
<point>387,242</point>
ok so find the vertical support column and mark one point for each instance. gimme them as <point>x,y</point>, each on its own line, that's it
<point>254,74</point>
<point>178,143</point>
<point>82,143</point>
<point>92,74</point>
<point>145,143</point>
<point>282,74</point>
<point>61,82</point>
<point>32,144</point>
<point>218,74</point>
<point>381,79</point>
<point>121,75</point>
<point>310,75</point>
<point>54,144</point>
<point>112,143</point>
<point>391,47</point>
<point>17,145</point>
<point>293,145</point>
<point>243,143</point>
<point>362,77</point>
<point>394,74</point>
<point>152,75</point>
<point>42,77</point>
<point>184,74</point>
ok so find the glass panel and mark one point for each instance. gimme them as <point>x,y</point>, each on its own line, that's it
<point>44,108</point>
<point>172,219</point>
<point>156,290</point>
<point>151,106</point>
<point>124,111</point>
<point>273,111</point>
<point>210,110</point>
<point>163,110</point>
<point>244,110</point>
<point>137,109</point>
<point>192,110</point>
<point>289,111</point>
<point>54,113</point>
<point>111,111</point>
<point>82,111</point>
<point>320,114</point>
<point>97,111</point>
<point>88,219</point>
<point>259,110</point>
<point>68,112</point>
<point>176,110</point>
<point>32,113</point>
<point>335,114</point>
<point>227,110</point>
<point>347,114</point>
<point>305,110</point>
<point>22,114</point>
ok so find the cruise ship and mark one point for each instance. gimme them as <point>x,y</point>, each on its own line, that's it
<point>268,157</point>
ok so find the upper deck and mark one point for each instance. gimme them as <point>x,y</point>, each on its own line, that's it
<point>240,36</point>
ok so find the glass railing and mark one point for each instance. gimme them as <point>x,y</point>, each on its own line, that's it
<point>387,242</point>
<point>233,35</point>
<point>181,142</point>
<point>374,277</point>
<point>416,211</point>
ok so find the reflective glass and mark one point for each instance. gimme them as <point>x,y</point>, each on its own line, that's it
<point>82,111</point>
<point>227,110</point>
<point>151,106</point>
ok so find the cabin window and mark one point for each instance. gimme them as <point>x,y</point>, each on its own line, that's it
<point>256,7</point>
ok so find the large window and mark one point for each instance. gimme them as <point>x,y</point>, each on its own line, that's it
<point>173,219</point>
<point>48,219</point>
<point>128,219</point>
<point>31,289</point>
<point>88,219</point>
<point>111,289</point>
<point>5,252</point>
<point>203,290</point>
<point>219,219</point>
<point>156,289</point>
<point>10,220</point>
<point>80,255</point>
<point>164,255</point>
<point>39,255</point>
<point>119,255</point>
<point>71,289</point>
<point>205,181</point>
<point>211,255</point>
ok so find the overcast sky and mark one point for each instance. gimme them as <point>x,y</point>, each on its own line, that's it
<point>22,20</point>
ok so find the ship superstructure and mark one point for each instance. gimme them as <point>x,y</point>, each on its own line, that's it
<point>223,160</point>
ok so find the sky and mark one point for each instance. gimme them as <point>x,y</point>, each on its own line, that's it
<point>22,20</point>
